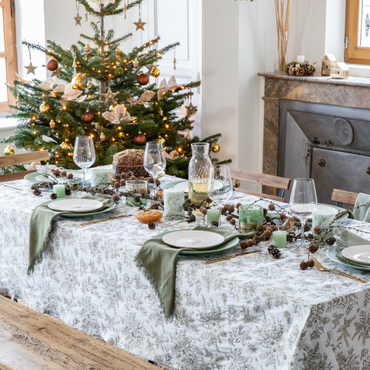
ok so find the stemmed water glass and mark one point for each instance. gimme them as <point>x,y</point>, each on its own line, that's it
<point>154,160</point>
<point>219,185</point>
<point>303,203</point>
<point>84,154</point>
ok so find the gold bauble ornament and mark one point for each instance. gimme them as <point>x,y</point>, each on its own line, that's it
<point>121,135</point>
<point>87,48</point>
<point>155,72</point>
<point>161,140</point>
<point>215,148</point>
<point>52,124</point>
<point>118,51</point>
<point>78,81</point>
<point>44,107</point>
<point>66,145</point>
<point>9,150</point>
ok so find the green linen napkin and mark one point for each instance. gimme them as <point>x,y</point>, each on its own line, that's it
<point>40,226</point>
<point>362,213</point>
<point>159,260</point>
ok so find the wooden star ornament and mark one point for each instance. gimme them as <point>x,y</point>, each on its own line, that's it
<point>139,25</point>
<point>56,72</point>
<point>190,109</point>
<point>30,68</point>
<point>78,20</point>
<point>109,96</point>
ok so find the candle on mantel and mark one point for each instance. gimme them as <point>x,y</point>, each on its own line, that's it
<point>213,214</point>
<point>300,59</point>
<point>173,203</point>
<point>60,191</point>
<point>280,238</point>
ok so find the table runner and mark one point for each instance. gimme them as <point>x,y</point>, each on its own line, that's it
<point>249,313</point>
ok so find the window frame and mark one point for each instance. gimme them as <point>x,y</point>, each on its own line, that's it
<point>10,53</point>
<point>353,53</point>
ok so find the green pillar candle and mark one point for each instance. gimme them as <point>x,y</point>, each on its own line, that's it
<point>279,237</point>
<point>60,191</point>
<point>213,214</point>
<point>249,217</point>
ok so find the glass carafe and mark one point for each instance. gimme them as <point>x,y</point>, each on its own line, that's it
<point>199,167</point>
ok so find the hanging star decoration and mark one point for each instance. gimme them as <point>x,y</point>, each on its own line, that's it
<point>78,20</point>
<point>190,109</point>
<point>30,68</point>
<point>56,72</point>
<point>109,96</point>
<point>150,67</point>
<point>139,25</point>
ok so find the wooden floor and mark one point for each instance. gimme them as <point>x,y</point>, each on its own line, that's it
<point>32,341</point>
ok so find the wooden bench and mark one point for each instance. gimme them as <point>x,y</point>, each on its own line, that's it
<point>341,196</point>
<point>11,160</point>
<point>275,182</point>
<point>32,341</point>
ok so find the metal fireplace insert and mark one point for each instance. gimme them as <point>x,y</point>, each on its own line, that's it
<point>329,143</point>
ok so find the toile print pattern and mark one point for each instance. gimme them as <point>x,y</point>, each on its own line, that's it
<point>248,313</point>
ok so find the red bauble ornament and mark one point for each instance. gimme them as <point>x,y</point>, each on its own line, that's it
<point>140,139</point>
<point>52,65</point>
<point>87,117</point>
<point>143,79</point>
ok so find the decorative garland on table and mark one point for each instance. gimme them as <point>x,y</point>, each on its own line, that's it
<point>262,232</point>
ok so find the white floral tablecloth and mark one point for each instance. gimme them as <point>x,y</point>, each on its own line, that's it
<point>248,313</point>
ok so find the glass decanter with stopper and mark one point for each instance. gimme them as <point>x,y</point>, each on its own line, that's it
<point>199,168</point>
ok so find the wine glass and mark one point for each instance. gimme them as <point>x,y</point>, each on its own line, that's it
<point>84,154</point>
<point>303,203</point>
<point>219,184</point>
<point>154,160</point>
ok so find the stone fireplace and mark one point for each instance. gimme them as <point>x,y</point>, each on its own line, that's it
<point>320,128</point>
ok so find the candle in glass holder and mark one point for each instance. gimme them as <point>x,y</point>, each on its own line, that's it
<point>280,238</point>
<point>135,186</point>
<point>60,191</point>
<point>213,214</point>
<point>249,217</point>
<point>174,203</point>
<point>100,177</point>
<point>323,218</point>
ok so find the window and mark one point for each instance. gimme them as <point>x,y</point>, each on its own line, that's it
<point>8,53</point>
<point>357,32</point>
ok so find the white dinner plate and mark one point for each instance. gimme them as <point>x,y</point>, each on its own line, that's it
<point>358,253</point>
<point>42,178</point>
<point>321,208</point>
<point>193,239</point>
<point>184,185</point>
<point>75,205</point>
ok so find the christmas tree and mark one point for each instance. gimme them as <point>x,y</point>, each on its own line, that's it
<point>108,96</point>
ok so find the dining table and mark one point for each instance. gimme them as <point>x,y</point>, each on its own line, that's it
<point>252,312</point>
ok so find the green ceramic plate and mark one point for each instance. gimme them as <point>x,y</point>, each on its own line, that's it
<point>231,244</point>
<point>31,177</point>
<point>332,254</point>
<point>89,214</point>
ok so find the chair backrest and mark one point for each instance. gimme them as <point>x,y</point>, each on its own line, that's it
<point>277,182</point>
<point>342,196</point>
<point>11,160</point>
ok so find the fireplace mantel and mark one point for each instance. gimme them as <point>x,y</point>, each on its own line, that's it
<point>353,92</point>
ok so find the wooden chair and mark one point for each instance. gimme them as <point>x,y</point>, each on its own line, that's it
<point>341,196</point>
<point>34,341</point>
<point>11,160</point>
<point>277,182</point>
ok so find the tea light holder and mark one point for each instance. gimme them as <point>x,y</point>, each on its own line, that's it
<point>135,186</point>
<point>60,191</point>
<point>280,238</point>
<point>249,217</point>
<point>173,203</point>
<point>100,177</point>
<point>213,214</point>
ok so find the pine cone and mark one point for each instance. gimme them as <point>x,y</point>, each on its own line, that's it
<point>238,205</point>
<point>303,265</point>
<point>53,196</point>
<point>232,222</point>
<point>224,211</point>
<point>300,71</point>
<point>330,241</point>
<point>229,217</point>
<point>117,185</point>
<point>123,183</point>
<point>256,240</point>
<point>275,252</point>
<point>192,218</point>
<point>70,176</point>
<point>313,248</point>
<point>317,230</point>
<point>214,223</point>
<point>115,198</point>
<point>310,263</point>
<point>154,206</point>
<point>151,225</point>
<point>124,176</point>
<point>117,176</point>
<point>150,181</point>
<point>68,192</point>
<point>133,177</point>
<point>203,210</point>
<point>36,192</point>
<point>63,173</point>
<point>272,207</point>
<point>57,172</point>
<point>209,200</point>
<point>307,227</point>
